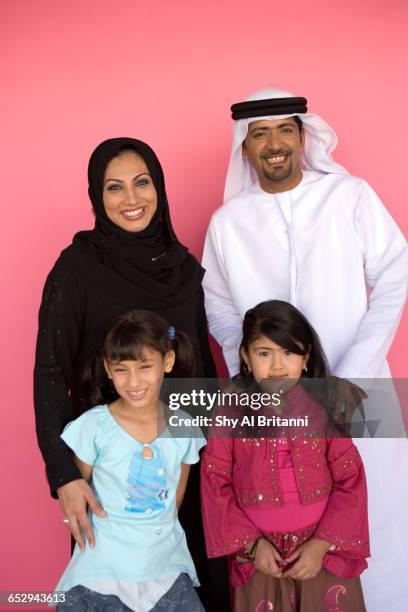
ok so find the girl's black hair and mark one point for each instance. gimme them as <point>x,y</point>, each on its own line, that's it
<point>129,334</point>
<point>284,324</point>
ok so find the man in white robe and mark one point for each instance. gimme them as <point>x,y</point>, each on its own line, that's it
<point>296,226</point>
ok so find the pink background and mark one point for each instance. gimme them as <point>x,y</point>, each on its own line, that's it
<point>74,73</point>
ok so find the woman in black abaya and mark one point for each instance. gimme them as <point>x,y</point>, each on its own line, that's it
<point>131,259</point>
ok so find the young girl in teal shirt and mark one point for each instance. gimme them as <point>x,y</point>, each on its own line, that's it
<point>139,559</point>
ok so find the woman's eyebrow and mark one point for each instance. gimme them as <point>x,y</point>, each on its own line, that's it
<point>120,180</point>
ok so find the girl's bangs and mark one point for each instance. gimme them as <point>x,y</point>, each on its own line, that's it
<point>126,347</point>
<point>282,337</point>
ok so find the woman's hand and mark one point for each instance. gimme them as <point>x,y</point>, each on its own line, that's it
<point>309,560</point>
<point>73,498</point>
<point>267,559</point>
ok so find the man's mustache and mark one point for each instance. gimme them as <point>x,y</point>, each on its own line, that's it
<point>272,152</point>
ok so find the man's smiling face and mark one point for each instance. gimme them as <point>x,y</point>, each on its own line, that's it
<point>273,148</point>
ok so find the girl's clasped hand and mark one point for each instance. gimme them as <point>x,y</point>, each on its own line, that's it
<point>267,559</point>
<point>304,563</point>
<point>307,559</point>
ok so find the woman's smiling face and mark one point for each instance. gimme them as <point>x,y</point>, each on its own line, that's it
<point>129,195</point>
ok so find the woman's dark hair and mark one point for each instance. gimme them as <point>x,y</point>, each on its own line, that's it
<point>126,148</point>
<point>129,334</point>
<point>284,324</point>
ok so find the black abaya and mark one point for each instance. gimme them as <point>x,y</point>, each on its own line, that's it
<point>105,272</point>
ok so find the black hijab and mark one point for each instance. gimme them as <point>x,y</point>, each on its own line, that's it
<point>118,265</point>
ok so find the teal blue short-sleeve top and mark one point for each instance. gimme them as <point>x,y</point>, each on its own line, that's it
<point>141,538</point>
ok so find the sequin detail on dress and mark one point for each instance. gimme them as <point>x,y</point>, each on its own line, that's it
<point>147,488</point>
<point>264,606</point>
<point>331,599</point>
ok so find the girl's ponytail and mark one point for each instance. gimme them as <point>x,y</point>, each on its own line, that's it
<point>184,365</point>
<point>96,387</point>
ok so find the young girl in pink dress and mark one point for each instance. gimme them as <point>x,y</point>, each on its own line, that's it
<point>291,507</point>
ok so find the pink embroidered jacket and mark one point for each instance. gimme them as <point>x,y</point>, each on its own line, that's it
<point>242,473</point>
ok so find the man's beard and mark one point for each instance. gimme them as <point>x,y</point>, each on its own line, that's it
<point>278,174</point>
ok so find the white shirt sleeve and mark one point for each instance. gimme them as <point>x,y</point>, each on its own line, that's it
<point>224,321</point>
<point>386,273</point>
